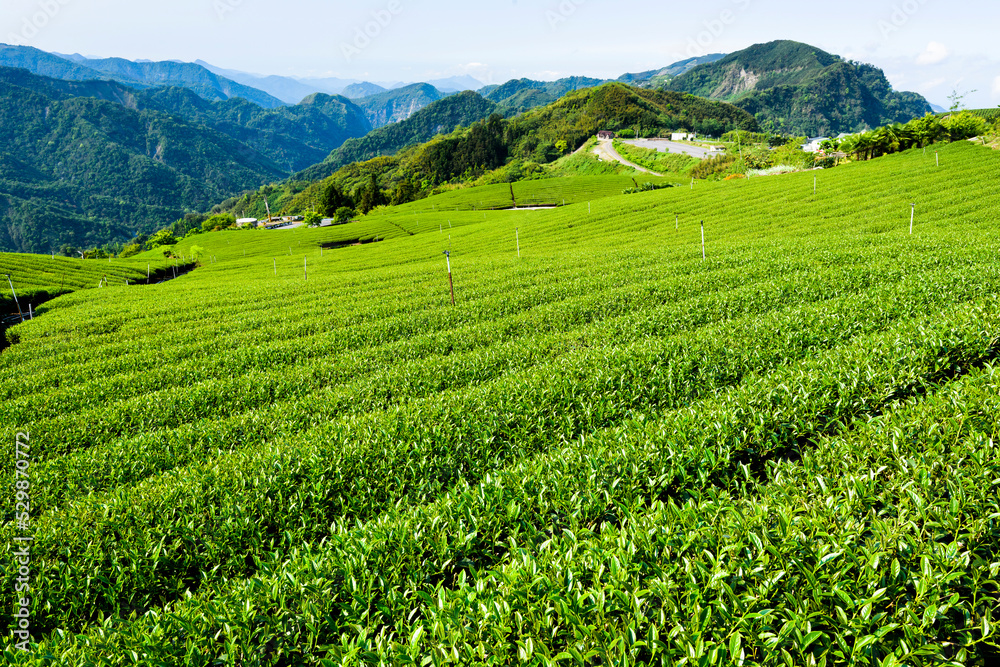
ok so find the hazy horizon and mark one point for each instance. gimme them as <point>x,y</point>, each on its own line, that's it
<point>919,44</point>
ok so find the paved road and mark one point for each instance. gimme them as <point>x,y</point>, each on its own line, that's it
<point>667,146</point>
<point>605,150</point>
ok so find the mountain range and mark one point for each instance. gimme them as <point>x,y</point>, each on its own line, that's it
<point>97,148</point>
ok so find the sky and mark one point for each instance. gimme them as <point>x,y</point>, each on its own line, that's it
<point>932,47</point>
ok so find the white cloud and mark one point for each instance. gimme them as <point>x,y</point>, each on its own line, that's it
<point>933,54</point>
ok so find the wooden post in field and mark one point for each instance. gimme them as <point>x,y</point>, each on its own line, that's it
<point>449,224</point>
<point>703,240</point>
<point>676,222</point>
<point>937,158</point>
<point>15,297</point>
<point>692,184</point>
<point>913,208</point>
<point>305,267</point>
<point>31,314</point>
<point>451,285</point>
<point>275,260</point>
<point>588,208</point>
<point>517,237</point>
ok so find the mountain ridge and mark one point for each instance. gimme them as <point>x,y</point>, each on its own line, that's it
<point>794,88</point>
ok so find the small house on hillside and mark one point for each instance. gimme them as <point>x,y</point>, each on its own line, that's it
<point>813,145</point>
<point>605,134</point>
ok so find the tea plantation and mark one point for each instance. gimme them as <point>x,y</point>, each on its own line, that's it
<point>609,451</point>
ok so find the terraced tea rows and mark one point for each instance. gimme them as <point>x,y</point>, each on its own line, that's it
<point>608,452</point>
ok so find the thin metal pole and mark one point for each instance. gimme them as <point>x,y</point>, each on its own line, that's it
<point>451,284</point>
<point>275,267</point>
<point>913,208</point>
<point>15,297</point>
<point>676,223</point>
<point>305,267</point>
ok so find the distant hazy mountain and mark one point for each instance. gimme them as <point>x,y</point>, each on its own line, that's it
<point>364,89</point>
<point>456,84</point>
<point>134,74</point>
<point>798,89</point>
<point>47,64</point>
<point>287,89</point>
<point>393,106</point>
<point>187,75</point>
<point>86,170</point>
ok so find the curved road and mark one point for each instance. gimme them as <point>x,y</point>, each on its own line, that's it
<point>605,150</point>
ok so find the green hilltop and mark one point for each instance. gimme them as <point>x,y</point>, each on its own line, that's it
<point>797,89</point>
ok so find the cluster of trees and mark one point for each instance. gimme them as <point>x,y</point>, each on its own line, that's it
<point>917,133</point>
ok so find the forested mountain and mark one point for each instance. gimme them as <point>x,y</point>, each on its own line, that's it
<point>87,170</point>
<point>293,137</point>
<point>519,95</point>
<point>398,104</point>
<point>439,117</point>
<point>798,89</point>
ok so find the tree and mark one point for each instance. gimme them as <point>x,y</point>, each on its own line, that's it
<point>562,146</point>
<point>404,193</point>
<point>371,196</point>
<point>344,214</point>
<point>217,222</point>
<point>164,237</point>
<point>332,199</point>
<point>956,99</point>
<point>313,219</point>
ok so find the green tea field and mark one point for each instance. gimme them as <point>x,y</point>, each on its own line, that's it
<point>620,446</point>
